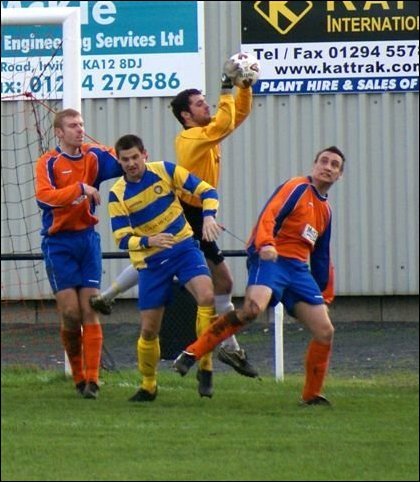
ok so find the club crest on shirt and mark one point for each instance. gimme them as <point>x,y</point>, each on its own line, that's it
<point>310,234</point>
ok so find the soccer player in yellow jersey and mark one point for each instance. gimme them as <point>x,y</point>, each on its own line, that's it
<point>147,220</point>
<point>197,149</point>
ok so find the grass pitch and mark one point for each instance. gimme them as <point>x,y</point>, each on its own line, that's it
<point>250,430</point>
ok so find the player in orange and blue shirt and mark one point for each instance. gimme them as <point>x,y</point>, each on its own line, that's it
<point>62,180</point>
<point>289,262</point>
<point>67,183</point>
<point>300,230</point>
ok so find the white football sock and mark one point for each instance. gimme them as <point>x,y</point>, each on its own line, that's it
<point>223,304</point>
<point>125,280</point>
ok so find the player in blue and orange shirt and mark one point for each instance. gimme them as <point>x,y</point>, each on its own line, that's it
<point>67,183</point>
<point>289,262</point>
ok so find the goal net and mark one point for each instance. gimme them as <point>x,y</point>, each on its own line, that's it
<point>27,110</point>
<point>33,88</point>
<point>25,134</point>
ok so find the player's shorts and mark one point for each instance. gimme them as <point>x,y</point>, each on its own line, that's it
<point>290,280</point>
<point>155,283</point>
<point>210,249</point>
<point>73,259</point>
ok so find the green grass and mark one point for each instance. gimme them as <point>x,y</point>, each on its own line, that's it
<point>250,430</point>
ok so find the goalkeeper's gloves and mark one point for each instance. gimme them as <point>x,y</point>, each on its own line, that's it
<point>226,82</point>
<point>230,70</point>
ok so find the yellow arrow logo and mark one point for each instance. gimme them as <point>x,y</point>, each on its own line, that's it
<point>283,16</point>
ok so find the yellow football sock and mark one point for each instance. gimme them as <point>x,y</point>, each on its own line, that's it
<point>148,355</point>
<point>205,315</point>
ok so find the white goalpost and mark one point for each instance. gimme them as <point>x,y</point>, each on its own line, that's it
<point>277,317</point>
<point>69,18</point>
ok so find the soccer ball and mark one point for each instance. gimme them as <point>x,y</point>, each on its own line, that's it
<point>249,69</point>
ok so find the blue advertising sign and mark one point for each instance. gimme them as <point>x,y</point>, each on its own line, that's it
<point>129,49</point>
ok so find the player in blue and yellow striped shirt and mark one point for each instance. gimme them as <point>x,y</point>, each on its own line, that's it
<point>147,220</point>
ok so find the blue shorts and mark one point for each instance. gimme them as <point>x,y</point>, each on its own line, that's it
<point>155,283</point>
<point>290,280</point>
<point>73,259</point>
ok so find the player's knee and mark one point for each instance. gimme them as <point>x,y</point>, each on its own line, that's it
<point>251,310</point>
<point>72,317</point>
<point>330,332</point>
<point>222,279</point>
<point>325,333</point>
<point>205,297</point>
<point>228,285</point>
<point>223,286</point>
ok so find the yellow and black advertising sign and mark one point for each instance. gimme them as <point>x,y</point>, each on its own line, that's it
<point>333,46</point>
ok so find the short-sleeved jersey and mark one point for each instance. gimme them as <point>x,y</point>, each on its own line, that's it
<point>59,186</point>
<point>296,220</point>
<point>197,148</point>
<point>142,209</point>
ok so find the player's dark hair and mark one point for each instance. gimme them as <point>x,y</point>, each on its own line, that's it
<point>181,103</point>
<point>334,150</point>
<point>127,142</point>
